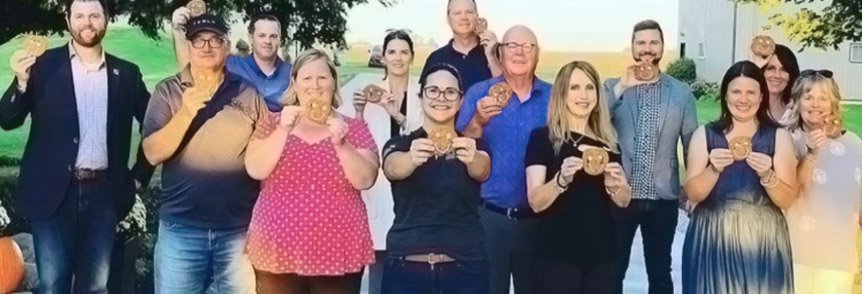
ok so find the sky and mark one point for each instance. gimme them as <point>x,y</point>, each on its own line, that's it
<point>561,25</point>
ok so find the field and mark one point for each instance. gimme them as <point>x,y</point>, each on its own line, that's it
<point>156,60</point>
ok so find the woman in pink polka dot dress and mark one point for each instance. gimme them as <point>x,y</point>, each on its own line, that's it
<point>309,231</point>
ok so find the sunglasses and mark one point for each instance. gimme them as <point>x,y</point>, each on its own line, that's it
<point>810,72</point>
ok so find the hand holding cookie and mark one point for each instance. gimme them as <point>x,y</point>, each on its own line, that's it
<point>570,166</point>
<point>595,160</point>
<point>720,158</point>
<point>759,162</point>
<point>740,147</point>
<point>421,150</point>
<point>465,149</point>
<point>615,177</point>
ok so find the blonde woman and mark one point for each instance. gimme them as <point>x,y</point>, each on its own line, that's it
<point>576,250</point>
<point>309,232</point>
<point>824,220</point>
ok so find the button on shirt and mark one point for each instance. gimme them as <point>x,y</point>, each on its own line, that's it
<point>472,66</point>
<point>646,140</point>
<point>507,135</point>
<point>271,86</point>
<point>91,99</point>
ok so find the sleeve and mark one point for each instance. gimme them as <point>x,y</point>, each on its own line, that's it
<point>468,107</point>
<point>539,148</point>
<point>689,122</point>
<point>610,96</point>
<point>360,136</point>
<point>159,111</point>
<point>396,144</point>
<point>142,170</point>
<point>14,105</point>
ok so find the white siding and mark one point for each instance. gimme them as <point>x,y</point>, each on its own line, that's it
<point>711,22</point>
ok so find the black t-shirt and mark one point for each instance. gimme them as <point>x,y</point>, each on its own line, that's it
<point>395,127</point>
<point>436,208</point>
<point>578,227</point>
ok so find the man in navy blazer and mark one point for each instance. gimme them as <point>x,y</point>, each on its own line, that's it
<point>75,184</point>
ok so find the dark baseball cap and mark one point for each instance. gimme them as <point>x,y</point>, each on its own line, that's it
<point>205,22</point>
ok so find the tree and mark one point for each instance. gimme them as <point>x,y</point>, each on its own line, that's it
<point>311,21</point>
<point>839,22</point>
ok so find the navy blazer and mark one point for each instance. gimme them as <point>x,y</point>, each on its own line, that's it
<point>52,145</point>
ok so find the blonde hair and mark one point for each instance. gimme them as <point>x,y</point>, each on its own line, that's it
<point>802,86</point>
<point>290,96</point>
<point>599,121</point>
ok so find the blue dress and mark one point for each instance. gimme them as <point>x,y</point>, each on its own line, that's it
<point>737,240</point>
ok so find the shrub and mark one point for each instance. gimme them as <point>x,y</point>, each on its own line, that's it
<point>705,90</point>
<point>683,69</point>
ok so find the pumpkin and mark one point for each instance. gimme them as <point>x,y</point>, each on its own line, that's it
<point>11,265</point>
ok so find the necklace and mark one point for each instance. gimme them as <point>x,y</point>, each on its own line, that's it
<point>575,144</point>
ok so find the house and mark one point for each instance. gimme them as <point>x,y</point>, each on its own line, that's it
<point>717,33</point>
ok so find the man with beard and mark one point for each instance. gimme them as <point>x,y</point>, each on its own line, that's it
<point>263,68</point>
<point>650,118</point>
<point>75,184</point>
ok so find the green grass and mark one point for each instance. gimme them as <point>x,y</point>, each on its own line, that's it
<point>156,60</point>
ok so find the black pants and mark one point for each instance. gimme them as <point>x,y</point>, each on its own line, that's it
<point>269,283</point>
<point>657,220</point>
<point>510,245</point>
<point>554,277</point>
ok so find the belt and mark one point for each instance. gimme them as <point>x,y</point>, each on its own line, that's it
<point>88,174</point>
<point>430,258</point>
<point>511,213</point>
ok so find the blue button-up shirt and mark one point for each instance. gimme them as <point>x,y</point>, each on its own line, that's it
<point>507,135</point>
<point>473,66</point>
<point>271,87</point>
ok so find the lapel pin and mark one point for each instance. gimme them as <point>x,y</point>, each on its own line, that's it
<point>116,72</point>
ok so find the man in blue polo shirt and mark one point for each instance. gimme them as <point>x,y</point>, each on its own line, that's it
<point>471,54</point>
<point>263,68</point>
<point>506,216</point>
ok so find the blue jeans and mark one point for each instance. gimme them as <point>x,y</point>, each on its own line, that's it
<point>77,240</point>
<point>459,277</point>
<point>190,260</point>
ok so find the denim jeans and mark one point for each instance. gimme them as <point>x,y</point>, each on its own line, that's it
<point>77,240</point>
<point>459,277</point>
<point>189,260</point>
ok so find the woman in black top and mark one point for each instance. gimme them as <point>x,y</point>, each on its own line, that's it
<point>436,243</point>
<point>576,247</point>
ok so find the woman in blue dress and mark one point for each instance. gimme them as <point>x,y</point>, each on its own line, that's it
<point>741,173</point>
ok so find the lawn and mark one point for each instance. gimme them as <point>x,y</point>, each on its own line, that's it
<point>156,60</point>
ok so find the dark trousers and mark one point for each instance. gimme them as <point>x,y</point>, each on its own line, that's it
<point>375,272</point>
<point>553,277</point>
<point>270,283</point>
<point>510,245</point>
<point>458,277</point>
<point>657,220</point>
<point>76,241</point>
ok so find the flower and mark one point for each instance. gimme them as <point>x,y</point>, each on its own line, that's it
<point>135,223</point>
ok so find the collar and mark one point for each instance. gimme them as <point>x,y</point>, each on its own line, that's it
<point>73,55</point>
<point>251,61</point>
<point>477,49</point>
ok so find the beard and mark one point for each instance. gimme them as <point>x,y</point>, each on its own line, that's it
<point>656,58</point>
<point>88,41</point>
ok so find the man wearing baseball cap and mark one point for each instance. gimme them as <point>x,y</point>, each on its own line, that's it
<point>197,126</point>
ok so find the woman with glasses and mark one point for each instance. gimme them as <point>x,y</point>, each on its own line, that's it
<point>398,112</point>
<point>741,173</point>
<point>436,242</point>
<point>572,192</point>
<point>824,220</point>
<point>309,231</point>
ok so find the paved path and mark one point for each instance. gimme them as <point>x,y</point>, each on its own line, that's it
<point>636,278</point>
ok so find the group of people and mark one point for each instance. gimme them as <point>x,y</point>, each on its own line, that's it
<point>275,181</point>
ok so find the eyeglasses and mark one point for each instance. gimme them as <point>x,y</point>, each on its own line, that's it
<point>434,93</point>
<point>526,47</point>
<point>810,72</point>
<point>406,31</point>
<point>199,43</point>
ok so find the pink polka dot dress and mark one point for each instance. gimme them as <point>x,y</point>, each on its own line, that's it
<point>308,219</point>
